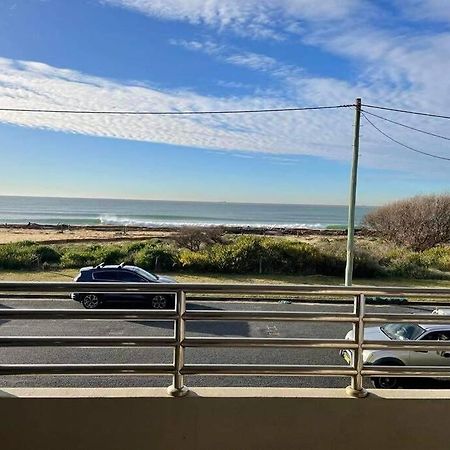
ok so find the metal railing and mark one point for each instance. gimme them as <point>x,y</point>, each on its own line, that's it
<point>357,370</point>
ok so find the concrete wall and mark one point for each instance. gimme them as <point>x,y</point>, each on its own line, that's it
<point>225,418</point>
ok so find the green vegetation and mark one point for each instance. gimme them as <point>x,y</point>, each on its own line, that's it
<point>243,255</point>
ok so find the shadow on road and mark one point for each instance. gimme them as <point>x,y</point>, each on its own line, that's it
<point>2,306</point>
<point>226,328</point>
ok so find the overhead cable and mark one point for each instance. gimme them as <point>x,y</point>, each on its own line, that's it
<point>417,113</point>
<point>407,126</point>
<point>172,113</point>
<point>431,155</point>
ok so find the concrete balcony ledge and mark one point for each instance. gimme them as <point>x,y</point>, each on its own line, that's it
<point>222,392</point>
<point>222,418</point>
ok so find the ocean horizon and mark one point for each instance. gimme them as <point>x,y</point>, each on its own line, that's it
<point>171,213</point>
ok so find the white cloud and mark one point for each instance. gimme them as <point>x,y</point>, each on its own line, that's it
<point>253,61</point>
<point>258,18</point>
<point>326,134</point>
<point>208,47</point>
<point>433,10</point>
<point>36,85</point>
<point>237,57</point>
<point>403,70</point>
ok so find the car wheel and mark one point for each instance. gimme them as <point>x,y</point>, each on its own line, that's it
<point>386,383</point>
<point>90,301</point>
<point>159,302</point>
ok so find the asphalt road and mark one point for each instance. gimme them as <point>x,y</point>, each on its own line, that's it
<point>50,355</point>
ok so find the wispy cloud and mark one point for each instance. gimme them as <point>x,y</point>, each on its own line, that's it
<point>399,69</point>
<point>31,84</point>
<point>326,134</point>
<point>432,10</point>
<point>257,18</point>
<point>238,57</point>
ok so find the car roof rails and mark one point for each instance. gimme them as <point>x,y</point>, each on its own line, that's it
<point>120,266</point>
<point>99,265</point>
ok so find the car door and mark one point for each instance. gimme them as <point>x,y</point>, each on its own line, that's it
<point>127,276</point>
<point>432,357</point>
<point>106,276</point>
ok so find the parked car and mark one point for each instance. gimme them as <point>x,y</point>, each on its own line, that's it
<point>442,311</point>
<point>402,332</point>
<point>122,274</point>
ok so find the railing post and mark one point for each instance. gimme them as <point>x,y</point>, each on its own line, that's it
<point>356,388</point>
<point>178,389</point>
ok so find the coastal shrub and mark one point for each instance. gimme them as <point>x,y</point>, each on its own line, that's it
<point>239,256</point>
<point>47,255</point>
<point>156,256</point>
<point>243,254</point>
<point>194,238</point>
<point>19,255</point>
<point>437,258</point>
<point>134,247</point>
<point>190,237</point>
<point>111,254</point>
<point>409,266</point>
<point>290,257</point>
<point>27,255</point>
<point>334,257</point>
<point>80,256</point>
<point>250,254</point>
<point>418,223</point>
<point>195,261</point>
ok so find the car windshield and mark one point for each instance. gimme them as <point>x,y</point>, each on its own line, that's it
<point>147,275</point>
<point>402,331</point>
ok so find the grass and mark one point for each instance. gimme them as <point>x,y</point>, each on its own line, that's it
<point>69,274</point>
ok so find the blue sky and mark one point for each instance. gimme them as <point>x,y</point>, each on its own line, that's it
<point>221,54</point>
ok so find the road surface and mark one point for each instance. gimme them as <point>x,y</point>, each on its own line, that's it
<point>48,355</point>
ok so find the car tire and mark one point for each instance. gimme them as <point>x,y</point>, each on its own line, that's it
<point>159,302</point>
<point>91,301</point>
<point>386,382</point>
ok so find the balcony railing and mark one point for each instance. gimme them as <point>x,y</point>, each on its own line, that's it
<point>357,370</point>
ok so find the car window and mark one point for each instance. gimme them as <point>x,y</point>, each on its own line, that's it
<point>129,277</point>
<point>106,275</point>
<point>147,275</point>
<point>438,336</point>
<point>402,331</point>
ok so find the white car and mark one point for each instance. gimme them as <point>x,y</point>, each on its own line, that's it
<point>402,332</point>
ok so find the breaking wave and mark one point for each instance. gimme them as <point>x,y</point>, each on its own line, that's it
<point>151,223</point>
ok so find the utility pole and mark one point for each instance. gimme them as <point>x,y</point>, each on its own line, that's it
<point>352,199</point>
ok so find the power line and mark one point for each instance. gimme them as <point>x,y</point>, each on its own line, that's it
<point>172,113</point>
<point>417,113</point>
<point>402,144</point>
<point>409,127</point>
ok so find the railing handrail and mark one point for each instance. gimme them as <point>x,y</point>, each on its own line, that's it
<point>179,342</point>
<point>38,286</point>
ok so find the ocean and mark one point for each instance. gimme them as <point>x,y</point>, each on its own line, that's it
<point>155,213</point>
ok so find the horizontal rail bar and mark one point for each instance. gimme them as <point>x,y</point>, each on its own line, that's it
<point>86,369</point>
<point>7,286</point>
<point>267,342</point>
<point>124,314</point>
<point>86,341</point>
<point>406,345</point>
<point>406,318</point>
<point>253,369</point>
<point>406,371</point>
<point>269,315</point>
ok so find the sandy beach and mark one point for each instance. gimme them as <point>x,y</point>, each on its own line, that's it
<point>47,235</point>
<point>64,234</point>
